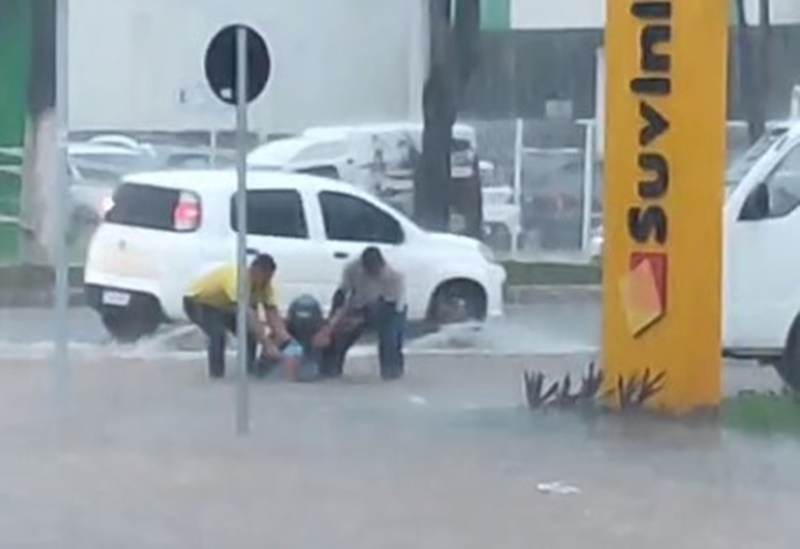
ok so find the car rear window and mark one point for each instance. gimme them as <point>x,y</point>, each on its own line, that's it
<point>144,206</point>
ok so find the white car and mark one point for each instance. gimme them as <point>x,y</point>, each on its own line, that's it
<point>166,228</point>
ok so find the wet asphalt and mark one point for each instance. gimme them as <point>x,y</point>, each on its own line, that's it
<point>142,453</point>
<point>138,449</point>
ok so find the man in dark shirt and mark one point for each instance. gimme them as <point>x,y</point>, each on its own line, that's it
<point>370,296</point>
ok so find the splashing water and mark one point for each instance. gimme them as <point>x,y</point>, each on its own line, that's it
<point>503,337</point>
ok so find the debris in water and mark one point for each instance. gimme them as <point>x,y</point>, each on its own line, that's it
<point>558,488</point>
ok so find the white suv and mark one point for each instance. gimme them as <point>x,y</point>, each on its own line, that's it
<point>165,228</point>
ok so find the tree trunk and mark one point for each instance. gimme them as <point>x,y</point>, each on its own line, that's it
<point>38,198</point>
<point>750,85</point>
<point>431,180</point>
<point>764,57</point>
<point>466,199</point>
<point>452,58</point>
<point>467,196</point>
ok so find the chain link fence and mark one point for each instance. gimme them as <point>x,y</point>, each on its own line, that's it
<point>552,181</point>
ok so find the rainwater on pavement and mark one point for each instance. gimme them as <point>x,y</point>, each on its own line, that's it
<point>141,452</point>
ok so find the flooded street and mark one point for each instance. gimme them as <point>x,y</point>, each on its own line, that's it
<point>142,453</point>
<point>427,160</point>
<point>551,327</point>
<point>145,456</point>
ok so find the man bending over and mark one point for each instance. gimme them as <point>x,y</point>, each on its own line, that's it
<point>371,296</point>
<point>211,304</point>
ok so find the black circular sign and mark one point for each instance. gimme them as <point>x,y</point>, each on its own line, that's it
<point>220,64</point>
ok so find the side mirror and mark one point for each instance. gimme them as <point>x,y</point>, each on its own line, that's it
<point>756,206</point>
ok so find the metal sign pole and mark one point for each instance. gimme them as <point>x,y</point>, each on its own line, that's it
<point>61,255</point>
<point>243,286</point>
<point>588,187</point>
<point>252,66</point>
<point>518,152</point>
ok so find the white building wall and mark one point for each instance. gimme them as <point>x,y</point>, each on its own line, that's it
<point>581,14</point>
<point>334,61</point>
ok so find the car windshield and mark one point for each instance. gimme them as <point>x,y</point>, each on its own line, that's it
<point>744,163</point>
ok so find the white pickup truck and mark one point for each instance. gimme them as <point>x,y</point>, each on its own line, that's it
<point>761,283</point>
<point>761,252</point>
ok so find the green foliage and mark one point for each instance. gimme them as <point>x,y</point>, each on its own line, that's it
<point>632,393</point>
<point>757,413</point>
<point>526,274</point>
<point>769,413</point>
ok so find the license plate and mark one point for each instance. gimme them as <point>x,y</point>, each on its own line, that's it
<point>117,299</point>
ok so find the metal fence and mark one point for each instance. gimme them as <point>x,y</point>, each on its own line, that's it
<point>554,169</point>
<point>550,166</point>
<point>542,194</point>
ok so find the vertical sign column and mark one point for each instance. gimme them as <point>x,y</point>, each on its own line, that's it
<point>666,109</point>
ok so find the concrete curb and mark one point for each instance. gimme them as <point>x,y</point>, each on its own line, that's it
<point>530,295</point>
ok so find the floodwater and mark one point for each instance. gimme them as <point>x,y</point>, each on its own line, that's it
<point>139,450</point>
<point>142,453</point>
<point>548,328</point>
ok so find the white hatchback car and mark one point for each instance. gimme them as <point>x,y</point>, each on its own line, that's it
<point>165,228</point>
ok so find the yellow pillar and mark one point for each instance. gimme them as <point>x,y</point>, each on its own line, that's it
<point>666,64</point>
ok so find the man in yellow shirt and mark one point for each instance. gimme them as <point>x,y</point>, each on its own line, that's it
<point>210,303</point>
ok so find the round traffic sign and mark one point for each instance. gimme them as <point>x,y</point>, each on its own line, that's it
<point>220,64</point>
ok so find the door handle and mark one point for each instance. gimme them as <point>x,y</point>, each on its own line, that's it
<point>252,251</point>
<point>341,255</point>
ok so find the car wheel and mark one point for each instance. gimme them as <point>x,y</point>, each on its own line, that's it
<point>788,367</point>
<point>130,325</point>
<point>458,301</point>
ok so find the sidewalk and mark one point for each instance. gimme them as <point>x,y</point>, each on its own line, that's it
<point>530,294</point>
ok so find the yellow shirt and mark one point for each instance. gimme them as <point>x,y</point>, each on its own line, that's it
<point>217,288</point>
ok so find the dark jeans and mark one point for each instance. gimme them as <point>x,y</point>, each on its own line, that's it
<point>216,324</point>
<point>388,323</point>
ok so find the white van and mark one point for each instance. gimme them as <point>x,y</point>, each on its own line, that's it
<point>380,159</point>
<point>374,157</point>
<point>165,228</point>
<point>761,288</point>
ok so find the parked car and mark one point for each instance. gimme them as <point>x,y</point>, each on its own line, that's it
<point>121,155</point>
<point>165,228</point>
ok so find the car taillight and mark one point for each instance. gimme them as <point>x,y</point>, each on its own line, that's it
<point>187,213</point>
